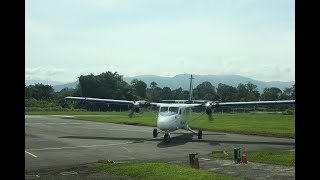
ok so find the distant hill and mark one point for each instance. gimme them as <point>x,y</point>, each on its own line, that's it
<point>57,86</point>
<point>71,85</point>
<point>182,80</point>
<point>46,82</point>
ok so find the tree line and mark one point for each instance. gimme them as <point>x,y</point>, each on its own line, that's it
<point>111,85</point>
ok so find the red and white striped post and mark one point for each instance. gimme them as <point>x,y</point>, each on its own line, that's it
<point>196,161</point>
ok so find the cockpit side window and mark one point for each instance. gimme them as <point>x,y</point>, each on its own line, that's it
<point>173,109</point>
<point>163,109</point>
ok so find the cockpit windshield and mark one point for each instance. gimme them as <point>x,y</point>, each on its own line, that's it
<point>168,111</point>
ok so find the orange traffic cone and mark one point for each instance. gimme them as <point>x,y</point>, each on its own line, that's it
<point>244,156</point>
<point>196,161</point>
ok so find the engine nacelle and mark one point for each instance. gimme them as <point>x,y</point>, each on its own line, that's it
<point>209,107</point>
<point>138,104</point>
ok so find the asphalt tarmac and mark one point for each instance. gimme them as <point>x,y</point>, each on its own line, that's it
<point>54,143</point>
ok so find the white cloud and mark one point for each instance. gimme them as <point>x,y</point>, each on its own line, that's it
<point>134,38</point>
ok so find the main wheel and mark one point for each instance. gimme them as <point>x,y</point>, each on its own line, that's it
<point>200,134</point>
<point>166,138</point>
<point>155,133</point>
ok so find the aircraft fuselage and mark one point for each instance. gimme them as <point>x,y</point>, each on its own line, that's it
<point>173,117</point>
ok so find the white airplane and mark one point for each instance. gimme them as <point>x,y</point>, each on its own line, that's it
<point>176,115</point>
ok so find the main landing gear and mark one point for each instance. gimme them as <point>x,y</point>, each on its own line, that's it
<point>199,132</point>
<point>166,137</point>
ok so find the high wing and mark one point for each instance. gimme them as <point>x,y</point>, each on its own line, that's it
<point>134,105</point>
<point>216,104</point>
<point>209,105</point>
<point>111,101</point>
<point>98,100</point>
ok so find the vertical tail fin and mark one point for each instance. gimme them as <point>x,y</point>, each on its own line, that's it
<point>190,91</point>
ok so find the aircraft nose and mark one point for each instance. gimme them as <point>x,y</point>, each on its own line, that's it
<point>166,123</point>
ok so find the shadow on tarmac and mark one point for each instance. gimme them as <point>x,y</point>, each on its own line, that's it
<point>180,140</point>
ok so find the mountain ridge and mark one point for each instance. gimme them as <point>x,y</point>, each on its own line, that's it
<point>183,80</point>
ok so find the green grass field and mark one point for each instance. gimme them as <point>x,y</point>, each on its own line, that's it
<point>259,124</point>
<point>156,170</point>
<point>281,157</point>
<point>278,125</point>
<point>73,113</point>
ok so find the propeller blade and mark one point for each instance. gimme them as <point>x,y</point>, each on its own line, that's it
<point>209,113</point>
<point>210,117</point>
<point>131,112</point>
<point>138,107</point>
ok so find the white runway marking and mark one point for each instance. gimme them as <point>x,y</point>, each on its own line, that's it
<point>31,176</point>
<point>113,129</point>
<point>126,149</point>
<point>127,130</point>
<point>74,147</point>
<point>34,116</point>
<point>31,154</point>
<point>68,173</point>
<point>109,129</point>
<point>73,123</point>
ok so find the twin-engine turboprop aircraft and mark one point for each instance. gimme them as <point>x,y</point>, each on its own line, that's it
<point>176,115</point>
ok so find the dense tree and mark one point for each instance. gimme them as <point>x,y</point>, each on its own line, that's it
<point>205,91</point>
<point>105,85</point>
<point>253,93</point>
<point>156,94</point>
<point>111,86</point>
<point>293,95</point>
<point>242,92</point>
<point>40,91</point>
<point>64,93</point>
<point>271,94</point>
<point>139,89</point>
<point>227,93</point>
<point>27,92</point>
<point>166,93</point>
<point>153,85</point>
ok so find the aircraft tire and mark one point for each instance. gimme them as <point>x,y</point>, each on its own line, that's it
<point>155,133</point>
<point>166,138</point>
<point>200,134</point>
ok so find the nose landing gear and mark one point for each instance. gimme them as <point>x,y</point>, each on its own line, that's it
<point>166,138</point>
<point>155,133</point>
<point>200,134</point>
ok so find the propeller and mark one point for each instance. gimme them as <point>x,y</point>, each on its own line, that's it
<point>209,113</point>
<point>209,106</point>
<point>131,111</point>
<point>136,107</point>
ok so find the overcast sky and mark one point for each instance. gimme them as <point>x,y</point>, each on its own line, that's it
<point>68,38</point>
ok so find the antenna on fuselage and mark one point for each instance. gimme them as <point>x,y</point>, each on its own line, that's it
<point>190,91</point>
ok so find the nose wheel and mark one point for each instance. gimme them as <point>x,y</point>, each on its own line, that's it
<point>166,138</point>
<point>200,134</point>
<point>155,133</point>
